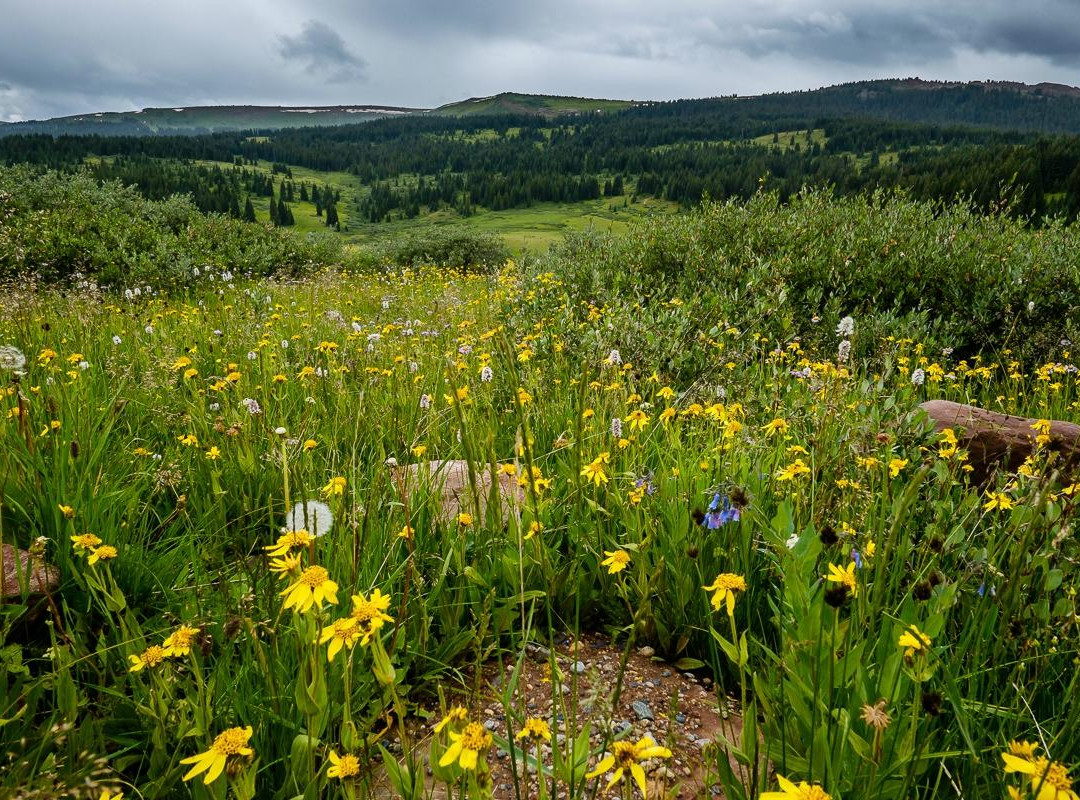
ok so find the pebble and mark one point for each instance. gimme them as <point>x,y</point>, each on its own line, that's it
<point>622,726</point>
<point>646,652</point>
<point>665,673</point>
<point>502,753</point>
<point>680,718</point>
<point>579,667</point>
<point>641,708</point>
<point>490,724</point>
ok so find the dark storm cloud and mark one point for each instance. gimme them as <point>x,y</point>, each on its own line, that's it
<point>1057,38</point>
<point>70,56</point>
<point>322,50</point>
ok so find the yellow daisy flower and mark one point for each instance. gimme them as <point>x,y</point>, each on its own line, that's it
<point>313,587</point>
<point>229,743</point>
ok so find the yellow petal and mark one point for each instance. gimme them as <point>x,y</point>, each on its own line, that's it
<point>602,767</point>
<point>468,759</point>
<point>1014,764</point>
<point>216,766</point>
<point>451,754</point>
<point>639,776</point>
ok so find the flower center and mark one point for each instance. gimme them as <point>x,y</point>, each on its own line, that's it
<point>730,582</point>
<point>474,737</point>
<point>230,742</point>
<point>364,611</point>
<point>624,754</point>
<point>154,655</point>
<point>348,766</point>
<point>314,577</point>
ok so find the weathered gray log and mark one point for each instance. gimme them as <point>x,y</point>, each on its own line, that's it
<point>451,483</point>
<point>1002,440</point>
<point>21,570</point>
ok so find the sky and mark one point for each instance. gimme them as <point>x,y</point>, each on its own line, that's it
<point>60,57</point>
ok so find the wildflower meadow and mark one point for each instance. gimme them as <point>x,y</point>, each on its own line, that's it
<point>252,596</point>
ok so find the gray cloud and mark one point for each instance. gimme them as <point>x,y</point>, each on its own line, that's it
<point>322,50</point>
<point>427,52</point>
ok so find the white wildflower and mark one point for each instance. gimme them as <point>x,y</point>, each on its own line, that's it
<point>11,358</point>
<point>846,328</point>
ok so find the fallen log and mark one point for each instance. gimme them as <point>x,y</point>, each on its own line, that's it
<point>995,440</point>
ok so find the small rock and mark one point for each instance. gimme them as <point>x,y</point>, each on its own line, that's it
<point>621,727</point>
<point>502,753</point>
<point>646,652</point>
<point>665,673</point>
<point>641,708</point>
<point>579,667</point>
<point>680,718</point>
<point>490,724</point>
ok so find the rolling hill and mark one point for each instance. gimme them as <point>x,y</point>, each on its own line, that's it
<point>1004,105</point>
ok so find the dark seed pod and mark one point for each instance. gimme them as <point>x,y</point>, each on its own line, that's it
<point>931,703</point>
<point>922,591</point>
<point>692,551</point>
<point>836,596</point>
<point>828,535</point>
<point>936,578</point>
<point>738,497</point>
<point>74,449</point>
<point>698,516</point>
<point>937,544</point>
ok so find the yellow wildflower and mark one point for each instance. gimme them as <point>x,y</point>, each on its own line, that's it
<point>85,541</point>
<point>103,553</point>
<point>844,576</point>
<point>616,561</point>
<point>151,657</point>
<point>626,757</point>
<point>313,587</point>
<point>466,747</point>
<point>342,767</point>
<point>913,641</point>
<point>287,541</point>
<point>229,743</point>
<point>724,588</point>
<point>801,791</point>
<point>535,729</point>
<point>334,488</point>
<point>179,642</point>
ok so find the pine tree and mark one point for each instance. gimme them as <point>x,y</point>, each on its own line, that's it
<point>273,211</point>
<point>249,211</point>
<point>331,215</point>
<point>285,215</point>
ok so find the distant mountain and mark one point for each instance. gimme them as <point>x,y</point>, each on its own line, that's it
<point>205,119</point>
<point>1005,105</point>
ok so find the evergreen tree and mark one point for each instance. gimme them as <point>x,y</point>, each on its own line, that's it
<point>273,211</point>
<point>331,215</point>
<point>249,211</point>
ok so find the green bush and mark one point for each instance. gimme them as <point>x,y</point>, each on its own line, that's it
<point>56,226</point>
<point>454,246</point>
<point>958,278</point>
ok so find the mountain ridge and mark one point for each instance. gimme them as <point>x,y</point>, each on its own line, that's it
<point>156,121</point>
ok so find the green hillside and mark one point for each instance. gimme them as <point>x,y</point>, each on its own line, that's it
<point>542,104</point>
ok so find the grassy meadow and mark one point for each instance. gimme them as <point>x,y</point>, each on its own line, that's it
<point>726,466</point>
